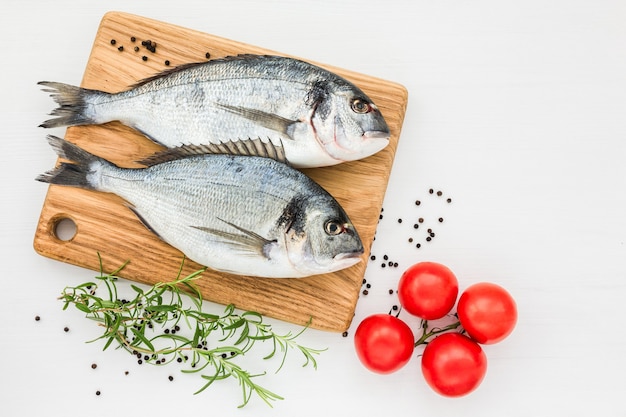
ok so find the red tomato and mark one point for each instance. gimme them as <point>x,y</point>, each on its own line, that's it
<point>453,364</point>
<point>383,343</point>
<point>487,312</point>
<point>428,290</point>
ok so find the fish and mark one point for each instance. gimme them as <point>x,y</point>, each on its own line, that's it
<point>231,210</point>
<point>321,118</point>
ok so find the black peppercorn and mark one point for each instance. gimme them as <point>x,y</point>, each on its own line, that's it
<point>113,42</point>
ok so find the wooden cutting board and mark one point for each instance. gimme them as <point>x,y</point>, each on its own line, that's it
<point>106,226</point>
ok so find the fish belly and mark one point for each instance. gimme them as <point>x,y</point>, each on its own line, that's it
<point>185,201</point>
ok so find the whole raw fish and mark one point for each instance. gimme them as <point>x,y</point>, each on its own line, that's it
<point>321,118</point>
<point>247,215</point>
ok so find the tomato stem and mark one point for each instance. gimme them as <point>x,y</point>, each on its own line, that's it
<point>435,331</point>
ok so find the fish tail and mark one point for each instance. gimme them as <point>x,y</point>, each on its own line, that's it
<point>72,104</point>
<point>78,172</point>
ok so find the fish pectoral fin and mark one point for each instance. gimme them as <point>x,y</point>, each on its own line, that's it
<point>247,241</point>
<point>265,119</point>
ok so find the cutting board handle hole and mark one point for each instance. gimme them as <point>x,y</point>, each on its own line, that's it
<point>64,228</point>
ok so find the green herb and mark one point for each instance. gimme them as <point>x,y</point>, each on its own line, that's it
<point>166,324</point>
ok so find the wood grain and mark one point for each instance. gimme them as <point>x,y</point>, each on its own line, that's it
<point>106,225</point>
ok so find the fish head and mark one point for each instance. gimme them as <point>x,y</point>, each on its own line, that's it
<point>349,125</point>
<point>327,242</point>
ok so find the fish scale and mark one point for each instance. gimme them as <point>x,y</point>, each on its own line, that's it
<point>242,214</point>
<point>320,118</point>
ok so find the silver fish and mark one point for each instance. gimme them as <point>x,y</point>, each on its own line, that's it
<point>321,118</point>
<point>246,215</point>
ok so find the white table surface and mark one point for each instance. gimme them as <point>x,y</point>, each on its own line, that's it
<point>516,111</point>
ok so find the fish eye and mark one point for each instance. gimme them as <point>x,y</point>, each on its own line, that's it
<point>360,106</point>
<point>333,227</point>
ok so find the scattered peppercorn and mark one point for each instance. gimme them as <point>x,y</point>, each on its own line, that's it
<point>94,366</point>
<point>385,257</point>
<point>368,286</point>
<point>431,191</point>
<point>121,48</point>
<point>113,41</point>
<point>449,200</point>
<point>171,378</point>
<point>98,392</point>
<point>66,329</point>
<point>416,226</point>
<point>439,193</point>
<point>37,318</point>
<point>390,291</point>
<point>207,55</point>
<point>373,257</point>
<point>133,39</point>
<point>145,58</point>
<point>441,220</point>
<point>365,292</point>
<point>417,202</point>
<point>399,220</point>
<point>136,49</point>
<point>383,265</point>
<point>167,63</point>
<point>344,334</point>
<point>421,220</point>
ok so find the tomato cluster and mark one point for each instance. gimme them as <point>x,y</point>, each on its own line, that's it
<point>453,362</point>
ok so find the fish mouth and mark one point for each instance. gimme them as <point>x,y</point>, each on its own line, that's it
<point>349,258</point>
<point>376,134</point>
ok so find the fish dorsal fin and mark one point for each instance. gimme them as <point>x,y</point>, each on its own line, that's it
<point>167,72</point>
<point>189,65</point>
<point>249,147</point>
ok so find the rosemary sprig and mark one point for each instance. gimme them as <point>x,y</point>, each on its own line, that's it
<point>166,323</point>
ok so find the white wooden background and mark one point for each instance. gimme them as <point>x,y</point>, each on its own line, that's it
<point>517,112</point>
